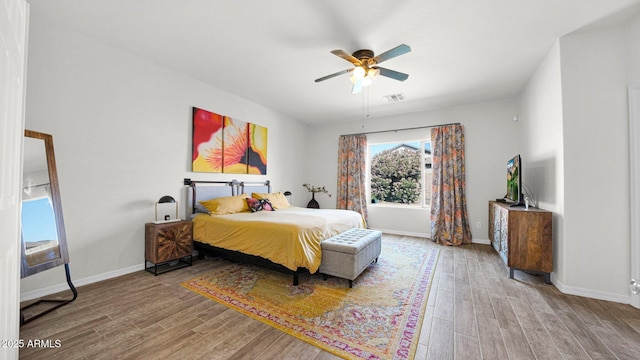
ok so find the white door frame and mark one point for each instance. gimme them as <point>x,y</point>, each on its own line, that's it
<point>14,22</point>
<point>634,175</point>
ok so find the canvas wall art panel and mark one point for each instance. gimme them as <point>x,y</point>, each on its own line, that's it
<point>235,145</point>
<point>257,152</point>
<point>222,144</point>
<point>207,141</point>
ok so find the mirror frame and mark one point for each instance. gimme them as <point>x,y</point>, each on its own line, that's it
<point>56,201</point>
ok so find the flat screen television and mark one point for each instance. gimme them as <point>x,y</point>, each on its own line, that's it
<point>514,181</point>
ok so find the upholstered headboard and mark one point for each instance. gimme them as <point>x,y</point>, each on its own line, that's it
<point>207,190</point>
<point>255,186</point>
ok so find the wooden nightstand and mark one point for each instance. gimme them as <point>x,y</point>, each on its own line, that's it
<point>168,246</point>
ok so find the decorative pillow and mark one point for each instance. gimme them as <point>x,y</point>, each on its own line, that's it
<point>266,205</point>
<point>277,200</point>
<point>254,204</point>
<point>201,209</point>
<point>226,205</point>
<point>259,204</point>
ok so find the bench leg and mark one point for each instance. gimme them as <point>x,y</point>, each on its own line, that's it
<point>350,284</point>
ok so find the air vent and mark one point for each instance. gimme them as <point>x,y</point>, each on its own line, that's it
<point>395,97</point>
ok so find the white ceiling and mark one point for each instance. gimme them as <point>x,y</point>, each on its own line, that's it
<point>271,51</point>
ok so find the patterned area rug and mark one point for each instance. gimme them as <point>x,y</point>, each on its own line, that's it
<point>379,318</point>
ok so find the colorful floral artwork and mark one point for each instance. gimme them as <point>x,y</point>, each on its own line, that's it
<point>222,144</point>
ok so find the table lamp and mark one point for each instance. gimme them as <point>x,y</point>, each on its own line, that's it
<point>166,200</point>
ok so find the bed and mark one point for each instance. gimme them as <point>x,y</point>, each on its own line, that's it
<point>286,239</point>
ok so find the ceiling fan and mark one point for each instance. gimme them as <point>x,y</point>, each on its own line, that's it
<point>366,66</point>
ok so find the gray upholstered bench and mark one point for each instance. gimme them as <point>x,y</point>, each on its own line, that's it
<point>346,255</point>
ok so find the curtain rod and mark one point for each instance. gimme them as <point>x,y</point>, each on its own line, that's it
<point>403,129</point>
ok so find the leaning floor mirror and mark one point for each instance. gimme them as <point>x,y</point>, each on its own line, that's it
<point>44,241</point>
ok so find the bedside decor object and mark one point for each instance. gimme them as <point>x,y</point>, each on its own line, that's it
<point>168,246</point>
<point>167,200</point>
<point>313,204</point>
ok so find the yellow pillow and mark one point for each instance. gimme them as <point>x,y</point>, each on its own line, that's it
<point>227,205</point>
<point>278,200</point>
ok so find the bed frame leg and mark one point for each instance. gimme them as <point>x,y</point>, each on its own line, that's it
<point>295,277</point>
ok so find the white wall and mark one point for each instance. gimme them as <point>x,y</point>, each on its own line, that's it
<point>491,140</point>
<point>633,48</point>
<point>122,134</point>
<point>574,127</point>
<point>596,164</point>
<point>540,130</point>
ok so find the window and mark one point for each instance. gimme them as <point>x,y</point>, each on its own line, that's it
<point>399,173</point>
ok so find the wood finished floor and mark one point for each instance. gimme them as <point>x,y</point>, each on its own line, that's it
<point>474,311</point>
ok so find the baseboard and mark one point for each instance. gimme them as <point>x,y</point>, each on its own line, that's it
<point>481,241</point>
<point>570,290</point>
<point>425,235</point>
<point>594,294</point>
<point>35,294</point>
<point>403,233</point>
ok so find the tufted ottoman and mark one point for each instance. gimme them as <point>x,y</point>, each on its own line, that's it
<point>346,255</point>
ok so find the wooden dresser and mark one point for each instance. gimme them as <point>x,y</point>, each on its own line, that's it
<point>523,238</point>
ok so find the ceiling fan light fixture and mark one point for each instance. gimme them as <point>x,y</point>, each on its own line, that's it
<point>359,72</point>
<point>371,74</point>
<point>365,67</point>
<point>357,87</point>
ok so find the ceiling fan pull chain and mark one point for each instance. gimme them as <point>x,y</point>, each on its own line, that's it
<point>362,115</point>
<point>368,97</point>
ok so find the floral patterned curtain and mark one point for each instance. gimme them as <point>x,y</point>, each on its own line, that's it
<point>352,154</point>
<point>449,219</point>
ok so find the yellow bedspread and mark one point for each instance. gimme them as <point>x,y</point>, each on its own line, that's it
<point>290,236</point>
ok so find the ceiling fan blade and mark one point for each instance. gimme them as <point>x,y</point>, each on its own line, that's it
<point>396,51</point>
<point>357,86</point>
<point>350,58</point>
<point>396,75</point>
<point>334,75</point>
